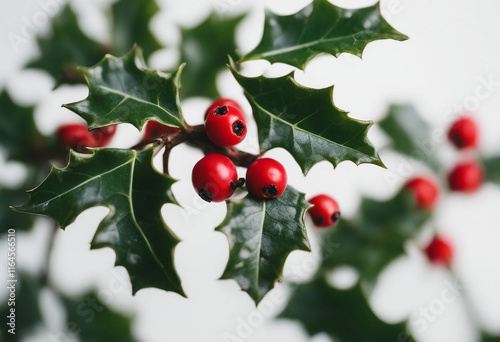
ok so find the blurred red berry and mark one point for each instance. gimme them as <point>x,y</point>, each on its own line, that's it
<point>464,133</point>
<point>424,190</point>
<point>326,211</point>
<point>155,130</point>
<point>104,135</point>
<point>76,137</point>
<point>439,251</point>
<point>465,177</point>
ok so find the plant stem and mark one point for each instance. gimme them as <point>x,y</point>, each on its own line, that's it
<point>50,247</point>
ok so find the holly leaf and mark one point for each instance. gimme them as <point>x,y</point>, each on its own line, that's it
<point>95,322</point>
<point>343,314</point>
<point>125,182</point>
<point>409,134</point>
<point>261,234</point>
<point>492,168</point>
<point>205,56</point>
<point>65,48</point>
<point>10,219</point>
<point>320,28</point>
<point>131,26</point>
<point>374,238</point>
<point>305,122</point>
<point>124,90</point>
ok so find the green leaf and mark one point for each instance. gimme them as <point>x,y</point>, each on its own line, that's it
<point>205,49</point>
<point>492,168</point>
<point>305,122</point>
<point>320,28</point>
<point>125,182</point>
<point>124,90</point>
<point>374,238</point>
<point>343,314</point>
<point>66,48</point>
<point>10,219</point>
<point>131,26</point>
<point>485,337</point>
<point>410,135</point>
<point>261,234</point>
<point>95,322</point>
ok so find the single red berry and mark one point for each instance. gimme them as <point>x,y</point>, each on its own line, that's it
<point>226,126</point>
<point>214,177</point>
<point>465,177</point>
<point>326,211</point>
<point>424,190</point>
<point>439,251</point>
<point>464,133</point>
<point>222,102</point>
<point>155,130</point>
<point>76,137</point>
<point>266,178</point>
<point>104,135</point>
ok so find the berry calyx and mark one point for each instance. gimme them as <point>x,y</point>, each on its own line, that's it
<point>465,177</point>
<point>226,126</point>
<point>266,178</point>
<point>424,190</point>
<point>439,251</point>
<point>76,137</point>
<point>104,135</point>
<point>155,130</point>
<point>326,211</point>
<point>222,102</point>
<point>214,178</point>
<point>464,133</point>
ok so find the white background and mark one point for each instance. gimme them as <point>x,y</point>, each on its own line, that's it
<point>453,48</point>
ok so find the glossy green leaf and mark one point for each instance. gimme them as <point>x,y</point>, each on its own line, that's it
<point>205,49</point>
<point>131,26</point>
<point>320,28</point>
<point>125,182</point>
<point>93,321</point>
<point>375,237</point>
<point>305,122</point>
<point>124,90</point>
<point>261,234</point>
<point>410,135</point>
<point>492,169</point>
<point>343,314</point>
<point>65,48</point>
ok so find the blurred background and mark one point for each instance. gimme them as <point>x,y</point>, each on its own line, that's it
<point>449,66</point>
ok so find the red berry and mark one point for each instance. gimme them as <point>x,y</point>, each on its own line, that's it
<point>424,190</point>
<point>266,178</point>
<point>439,251</point>
<point>464,133</point>
<point>213,177</point>
<point>465,177</point>
<point>226,126</point>
<point>326,211</point>
<point>155,130</point>
<point>104,135</point>
<point>76,137</point>
<point>222,102</point>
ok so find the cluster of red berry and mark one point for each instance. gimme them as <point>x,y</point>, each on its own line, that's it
<point>466,176</point>
<point>215,177</point>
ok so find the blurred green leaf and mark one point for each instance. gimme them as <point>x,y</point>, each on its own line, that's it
<point>492,169</point>
<point>320,28</point>
<point>205,49</point>
<point>343,314</point>
<point>65,48</point>
<point>410,135</point>
<point>131,26</point>
<point>125,182</point>
<point>305,122</point>
<point>261,234</point>
<point>124,90</point>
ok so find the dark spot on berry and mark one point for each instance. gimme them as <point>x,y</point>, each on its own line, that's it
<point>220,111</point>
<point>335,216</point>
<point>318,220</point>
<point>270,191</point>
<point>239,127</point>
<point>205,195</point>
<point>459,142</point>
